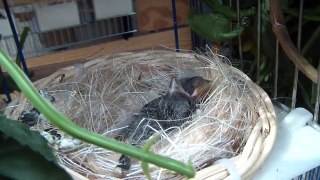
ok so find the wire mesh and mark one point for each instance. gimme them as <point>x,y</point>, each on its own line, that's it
<point>296,71</point>
<point>239,37</point>
<point>90,29</point>
<point>258,40</point>
<point>316,110</point>
<point>276,71</point>
<point>197,41</point>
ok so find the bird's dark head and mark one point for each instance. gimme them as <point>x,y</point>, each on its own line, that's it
<point>176,105</point>
<point>197,87</point>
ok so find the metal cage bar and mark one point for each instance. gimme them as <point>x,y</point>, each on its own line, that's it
<point>296,70</point>
<point>258,40</point>
<point>90,29</point>
<point>175,25</point>
<point>239,37</point>
<point>15,36</point>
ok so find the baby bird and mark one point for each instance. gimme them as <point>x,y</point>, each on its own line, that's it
<point>197,87</point>
<point>172,109</point>
<point>169,110</point>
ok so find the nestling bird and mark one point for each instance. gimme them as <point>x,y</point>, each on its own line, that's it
<point>197,87</point>
<point>172,109</point>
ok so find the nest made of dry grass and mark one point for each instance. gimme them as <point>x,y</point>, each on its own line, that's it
<point>101,94</point>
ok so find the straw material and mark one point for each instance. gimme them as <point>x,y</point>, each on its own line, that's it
<point>236,122</point>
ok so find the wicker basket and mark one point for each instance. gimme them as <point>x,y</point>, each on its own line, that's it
<point>253,153</point>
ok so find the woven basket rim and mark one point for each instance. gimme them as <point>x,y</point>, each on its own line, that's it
<point>247,162</point>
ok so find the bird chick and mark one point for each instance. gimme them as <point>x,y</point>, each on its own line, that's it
<point>169,110</point>
<point>172,109</point>
<point>197,87</point>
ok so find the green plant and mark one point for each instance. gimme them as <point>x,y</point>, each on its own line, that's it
<point>216,25</point>
<point>25,153</point>
<point>11,85</point>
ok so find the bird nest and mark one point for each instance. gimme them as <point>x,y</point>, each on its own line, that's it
<point>235,122</point>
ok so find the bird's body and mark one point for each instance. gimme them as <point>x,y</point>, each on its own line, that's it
<point>172,109</point>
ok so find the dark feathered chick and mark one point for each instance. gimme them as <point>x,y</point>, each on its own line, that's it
<point>172,109</point>
<point>197,87</point>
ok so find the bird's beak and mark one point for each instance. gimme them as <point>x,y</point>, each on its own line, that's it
<point>201,92</point>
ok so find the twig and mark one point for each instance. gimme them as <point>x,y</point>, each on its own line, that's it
<point>281,32</point>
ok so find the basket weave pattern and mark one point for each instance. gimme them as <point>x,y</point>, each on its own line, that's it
<point>250,155</point>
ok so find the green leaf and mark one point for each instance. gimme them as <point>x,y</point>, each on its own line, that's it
<point>226,11</point>
<point>21,162</point>
<point>32,139</point>
<point>23,38</point>
<point>232,34</point>
<point>25,154</point>
<point>214,27</point>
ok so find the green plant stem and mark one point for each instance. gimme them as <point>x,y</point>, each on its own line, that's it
<point>295,13</point>
<point>145,148</point>
<point>310,41</point>
<point>305,95</point>
<point>23,38</point>
<point>67,126</point>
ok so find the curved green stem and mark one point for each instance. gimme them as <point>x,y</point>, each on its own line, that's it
<point>67,126</point>
<point>310,41</point>
<point>295,13</point>
<point>145,148</point>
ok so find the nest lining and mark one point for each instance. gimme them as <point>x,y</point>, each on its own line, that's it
<point>102,96</point>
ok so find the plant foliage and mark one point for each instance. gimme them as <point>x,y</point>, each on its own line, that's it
<point>25,154</point>
<point>216,25</point>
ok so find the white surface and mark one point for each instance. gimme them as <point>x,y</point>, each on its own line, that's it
<point>229,165</point>
<point>58,16</point>
<point>296,149</point>
<point>110,8</point>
